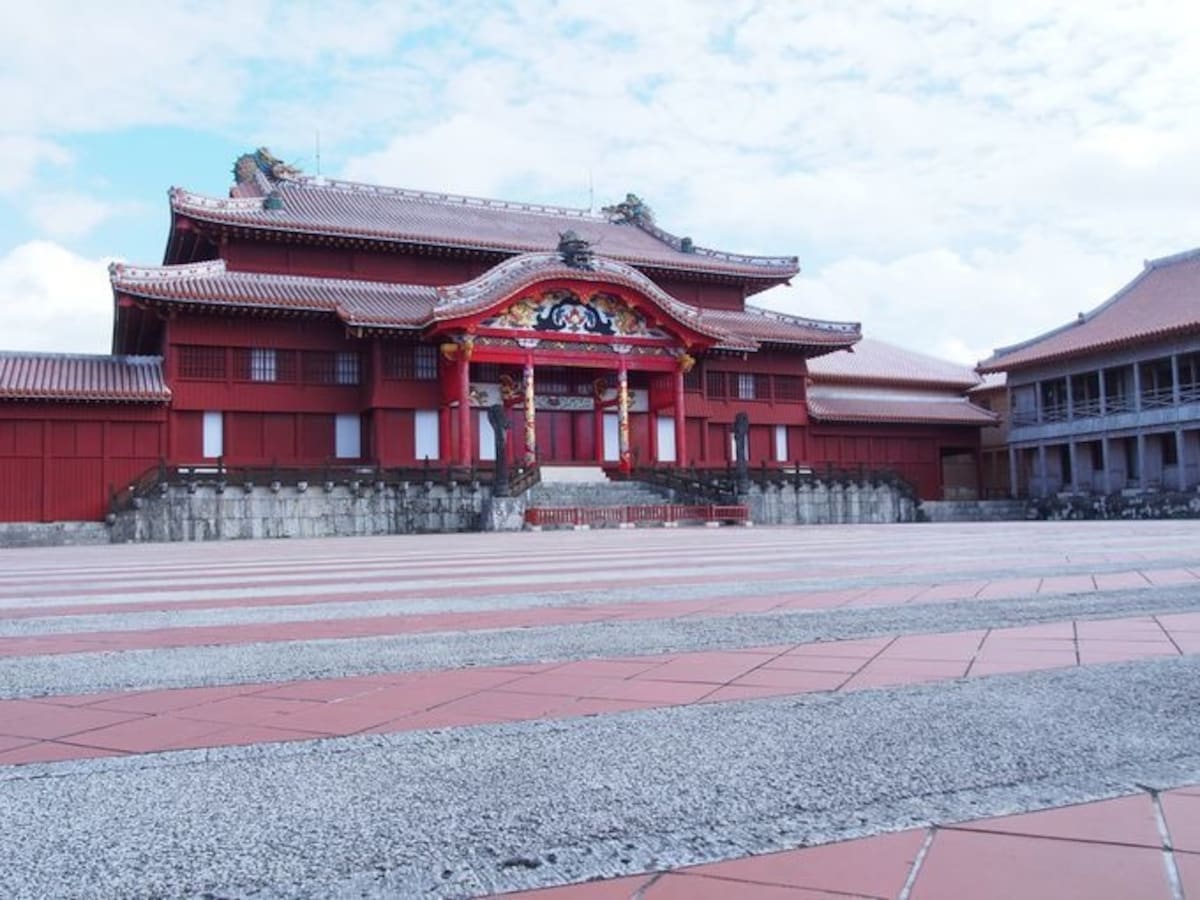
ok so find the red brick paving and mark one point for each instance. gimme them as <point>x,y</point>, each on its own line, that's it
<point>1093,851</point>
<point>146,721</point>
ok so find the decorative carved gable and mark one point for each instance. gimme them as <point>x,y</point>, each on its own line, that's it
<point>560,311</point>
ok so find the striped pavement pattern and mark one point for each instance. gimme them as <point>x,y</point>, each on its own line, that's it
<point>148,652</point>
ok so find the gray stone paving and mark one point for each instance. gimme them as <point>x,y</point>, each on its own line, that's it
<point>285,661</point>
<point>468,811</point>
<point>501,599</point>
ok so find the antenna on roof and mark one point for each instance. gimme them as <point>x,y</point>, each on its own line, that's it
<point>318,178</point>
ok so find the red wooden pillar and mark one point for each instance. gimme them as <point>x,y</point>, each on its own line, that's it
<point>463,457</point>
<point>624,454</point>
<point>598,428</point>
<point>531,448</point>
<point>444,431</point>
<point>680,421</point>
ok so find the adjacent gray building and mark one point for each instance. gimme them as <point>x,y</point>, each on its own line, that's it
<point>1111,401</point>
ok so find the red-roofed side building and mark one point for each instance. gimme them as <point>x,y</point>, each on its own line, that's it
<point>1111,400</point>
<point>74,429</point>
<point>884,407</point>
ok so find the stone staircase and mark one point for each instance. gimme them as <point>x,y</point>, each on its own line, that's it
<point>559,494</point>
<point>975,510</point>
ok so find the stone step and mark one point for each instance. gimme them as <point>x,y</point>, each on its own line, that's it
<point>974,510</point>
<point>593,494</point>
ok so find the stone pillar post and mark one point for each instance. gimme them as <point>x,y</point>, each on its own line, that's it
<point>1074,462</point>
<point>1137,387</point>
<point>1181,469</point>
<point>1106,479</point>
<point>530,416</point>
<point>1042,474</point>
<point>624,453</point>
<point>1013,484</point>
<point>1103,398</point>
<point>1174,379</point>
<point>1141,460</point>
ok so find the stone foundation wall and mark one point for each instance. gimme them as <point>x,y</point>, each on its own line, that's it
<point>1125,505</point>
<point>206,512</point>
<point>829,503</point>
<point>974,510</point>
<point>52,534</point>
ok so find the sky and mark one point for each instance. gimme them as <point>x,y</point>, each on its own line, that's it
<point>956,176</point>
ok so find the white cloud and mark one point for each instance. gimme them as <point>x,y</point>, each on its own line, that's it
<point>54,300</point>
<point>958,177</point>
<point>67,215</point>
<point>960,307</point>
<point>20,158</point>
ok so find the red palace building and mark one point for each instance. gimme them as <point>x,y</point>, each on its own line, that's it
<point>302,321</point>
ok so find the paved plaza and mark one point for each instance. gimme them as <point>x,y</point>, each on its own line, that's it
<point>925,711</point>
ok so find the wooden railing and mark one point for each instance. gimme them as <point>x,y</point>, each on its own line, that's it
<point>610,516</point>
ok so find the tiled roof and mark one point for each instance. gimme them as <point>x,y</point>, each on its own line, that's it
<point>382,305</point>
<point>348,209</point>
<point>930,409</point>
<point>1163,300</point>
<point>519,272</point>
<point>762,326</point>
<point>992,381</point>
<point>210,283</point>
<point>60,376</point>
<point>875,361</point>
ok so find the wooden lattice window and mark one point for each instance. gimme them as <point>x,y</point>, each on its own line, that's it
<point>789,388</point>
<point>202,363</point>
<point>425,366</point>
<point>715,385</point>
<point>318,367</point>
<point>264,364</point>
<point>346,368</point>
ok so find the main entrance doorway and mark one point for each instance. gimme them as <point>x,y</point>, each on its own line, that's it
<point>566,436</point>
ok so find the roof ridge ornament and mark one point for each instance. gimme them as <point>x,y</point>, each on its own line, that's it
<point>246,166</point>
<point>210,268</point>
<point>576,251</point>
<point>630,211</point>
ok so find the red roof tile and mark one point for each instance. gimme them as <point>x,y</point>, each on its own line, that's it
<point>210,283</point>
<point>878,362</point>
<point>1163,300</point>
<point>898,409</point>
<point>59,376</point>
<point>762,326</point>
<point>383,305</point>
<point>348,209</point>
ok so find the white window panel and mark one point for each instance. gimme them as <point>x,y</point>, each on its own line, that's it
<point>666,438</point>
<point>347,436</point>
<point>262,364</point>
<point>427,445</point>
<point>214,435</point>
<point>346,368</point>
<point>745,385</point>
<point>781,447</point>
<point>612,437</point>
<point>487,437</point>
